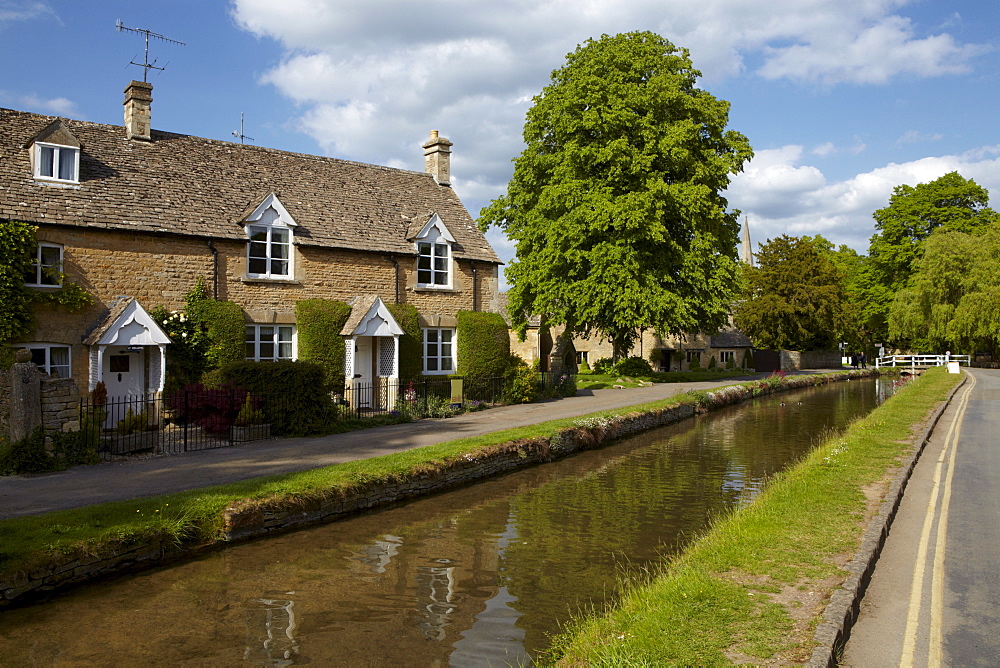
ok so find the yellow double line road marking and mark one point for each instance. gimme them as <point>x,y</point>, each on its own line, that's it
<point>939,493</point>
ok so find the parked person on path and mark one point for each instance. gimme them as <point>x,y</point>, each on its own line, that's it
<point>854,360</point>
<point>863,358</point>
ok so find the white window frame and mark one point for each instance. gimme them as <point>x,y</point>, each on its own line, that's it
<point>60,154</point>
<point>437,358</point>
<point>38,268</point>
<point>431,251</point>
<point>727,355</point>
<point>270,245</point>
<point>582,356</point>
<point>253,337</point>
<point>46,364</point>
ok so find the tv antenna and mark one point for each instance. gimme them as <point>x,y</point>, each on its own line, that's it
<point>239,135</point>
<point>145,64</point>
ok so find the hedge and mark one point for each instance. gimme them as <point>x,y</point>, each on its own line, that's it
<point>319,323</point>
<point>411,349</point>
<point>295,402</point>
<point>483,344</point>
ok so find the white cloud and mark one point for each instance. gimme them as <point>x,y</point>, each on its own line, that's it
<point>780,196</point>
<point>59,106</point>
<point>915,136</point>
<point>12,11</point>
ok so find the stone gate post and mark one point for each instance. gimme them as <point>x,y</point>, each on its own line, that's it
<point>25,396</point>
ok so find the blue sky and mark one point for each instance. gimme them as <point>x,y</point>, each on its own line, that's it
<point>841,99</point>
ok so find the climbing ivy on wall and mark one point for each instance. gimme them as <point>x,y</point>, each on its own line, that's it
<point>318,325</point>
<point>17,245</point>
<point>17,252</point>
<point>483,344</point>
<point>411,352</point>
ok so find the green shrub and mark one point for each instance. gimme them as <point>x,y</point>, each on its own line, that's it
<point>603,366</point>
<point>411,350</point>
<point>318,325</point>
<point>225,326</point>
<point>584,367</point>
<point>711,363</point>
<point>294,395</point>
<point>132,423</point>
<point>250,413</point>
<point>632,366</point>
<point>483,344</point>
<point>27,455</point>
<point>520,386</point>
<point>72,448</point>
<point>695,363</point>
<point>730,364</point>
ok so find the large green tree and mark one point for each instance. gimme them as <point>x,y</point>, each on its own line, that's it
<point>951,202</point>
<point>616,204</point>
<point>794,298</point>
<point>953,299</point>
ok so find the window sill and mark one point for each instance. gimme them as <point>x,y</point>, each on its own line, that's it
<point>433,288</point>
<point>39,286</point>
<point>42,181</point>
<point>273,281</point>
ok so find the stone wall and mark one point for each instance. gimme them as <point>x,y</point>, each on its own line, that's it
<point>60,404</point>
<point>792,360</point>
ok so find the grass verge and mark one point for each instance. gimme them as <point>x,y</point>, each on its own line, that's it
<point>751,590</point>
<point>595,381</point>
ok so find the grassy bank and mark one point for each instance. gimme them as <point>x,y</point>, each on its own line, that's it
<point>595,381</point>
<point>196,516</point>
<point>751,590</point>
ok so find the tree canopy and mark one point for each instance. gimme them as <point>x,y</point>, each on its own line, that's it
<point>615,205</point>
<point>953,299</point>
<point>951,202</point>
<point>794,298</point>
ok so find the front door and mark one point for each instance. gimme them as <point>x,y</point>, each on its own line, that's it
<point>124,372</point>
<point>363,376</point>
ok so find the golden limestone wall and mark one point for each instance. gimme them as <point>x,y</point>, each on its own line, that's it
<point>159,269</point>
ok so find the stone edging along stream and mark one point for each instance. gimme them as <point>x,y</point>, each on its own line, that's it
<point>249,519</point>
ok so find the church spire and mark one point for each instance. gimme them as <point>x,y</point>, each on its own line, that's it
<point>746,250</point>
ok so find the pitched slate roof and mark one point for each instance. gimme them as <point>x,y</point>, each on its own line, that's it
<point>204,187</point>
<point>732,338</point>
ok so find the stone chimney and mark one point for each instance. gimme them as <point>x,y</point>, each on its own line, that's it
<point>138,100</point>
<point>437,158</point>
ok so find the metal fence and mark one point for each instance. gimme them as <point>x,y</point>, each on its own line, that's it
<point>204,418</point>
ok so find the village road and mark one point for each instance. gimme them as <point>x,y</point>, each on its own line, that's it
<point>934,599</point>
<point>119,481</point>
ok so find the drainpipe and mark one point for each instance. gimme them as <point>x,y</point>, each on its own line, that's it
<point>475,289</point>
<point>215,270</point>
<point>395,276</point>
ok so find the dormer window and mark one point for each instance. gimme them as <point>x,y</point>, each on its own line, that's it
<point>433,245</point>
<point>46,267</point>
<point>57,163</point>
<point>269,245</point>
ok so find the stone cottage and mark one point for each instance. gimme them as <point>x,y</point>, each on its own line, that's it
<point>135,216</point>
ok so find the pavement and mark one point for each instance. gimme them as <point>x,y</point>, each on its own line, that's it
<point>137,478</point>
<point>933,598</point>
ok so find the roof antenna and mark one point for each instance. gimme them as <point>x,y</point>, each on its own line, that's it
<point>145,64</point>
<point>239,135</point>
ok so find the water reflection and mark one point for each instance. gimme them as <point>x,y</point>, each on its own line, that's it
<point>479,576</point>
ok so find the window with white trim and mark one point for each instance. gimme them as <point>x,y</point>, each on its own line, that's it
<point>439,350</point>
<point>727,356</point>
<point>51,358</point>
<point>269,248</point>
<point>434,264</point>
<point>57,163</point>
<point>267,343</point>
<point>46,267</point>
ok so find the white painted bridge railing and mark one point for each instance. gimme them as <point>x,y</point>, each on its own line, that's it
<point>922,361</point>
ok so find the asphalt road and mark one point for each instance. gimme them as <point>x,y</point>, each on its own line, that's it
<point>934,599</point>
<point>89,485</point>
